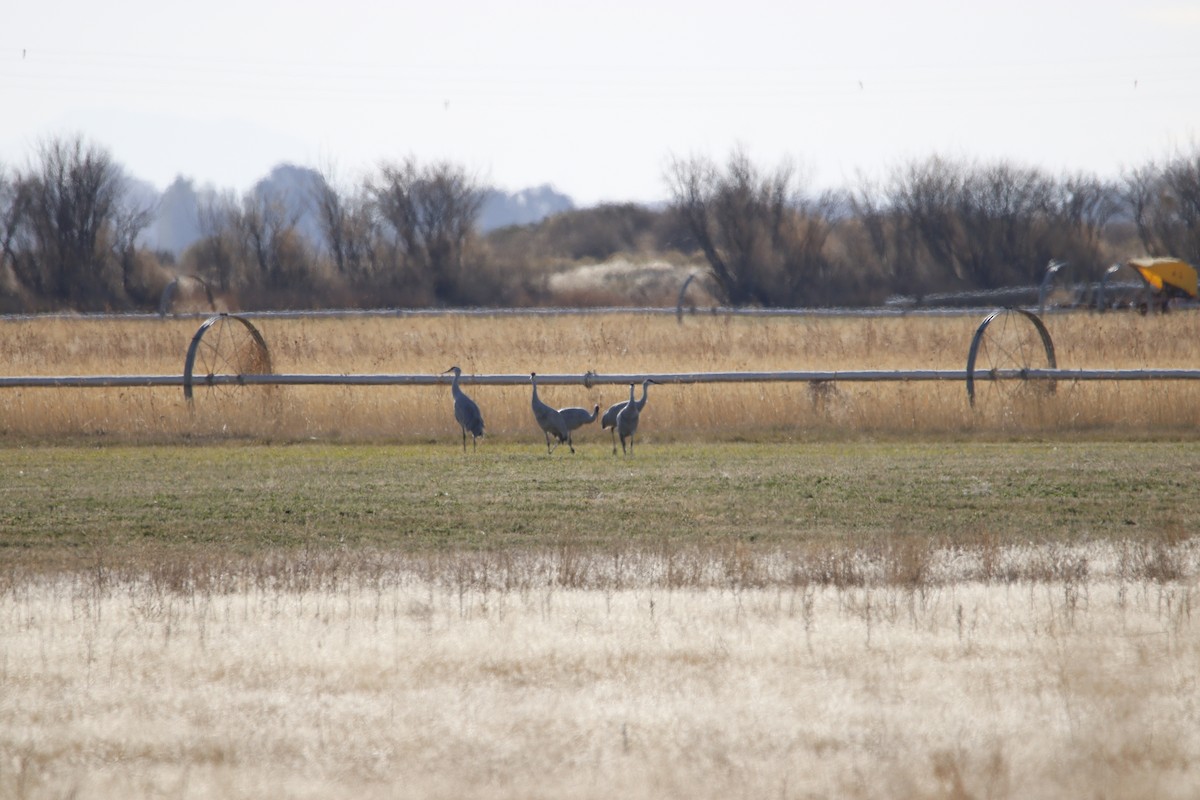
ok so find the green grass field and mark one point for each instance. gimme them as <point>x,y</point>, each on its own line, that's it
<point>63,504</point>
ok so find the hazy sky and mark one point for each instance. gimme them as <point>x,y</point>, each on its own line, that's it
<point>596,98</point>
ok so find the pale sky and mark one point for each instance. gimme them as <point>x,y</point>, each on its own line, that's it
<point>596,98</point>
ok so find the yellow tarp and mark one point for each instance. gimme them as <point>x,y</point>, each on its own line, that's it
<point>1170,271</point>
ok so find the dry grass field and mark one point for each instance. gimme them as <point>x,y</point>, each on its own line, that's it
<point>851,590</point>
<point>493,679</point>
<point>604,344</point>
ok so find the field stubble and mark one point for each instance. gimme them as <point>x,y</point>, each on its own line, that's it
<point>419,683</point>
<point>604,344</point>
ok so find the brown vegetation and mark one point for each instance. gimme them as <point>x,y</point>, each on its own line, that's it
<point>908,673</point>
<point>406,235</point>
<point>604,343</point>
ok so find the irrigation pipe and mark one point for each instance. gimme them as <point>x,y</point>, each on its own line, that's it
<point>594,379</point>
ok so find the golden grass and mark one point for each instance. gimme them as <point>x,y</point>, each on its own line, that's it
<point>605,344</point>
<point>464,677</point>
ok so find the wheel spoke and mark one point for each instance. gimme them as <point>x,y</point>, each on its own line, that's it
<point>229,346</point>
<point>1010,341</point>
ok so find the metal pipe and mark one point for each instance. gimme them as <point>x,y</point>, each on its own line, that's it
<point>714,311</point>
<point>594,379</point>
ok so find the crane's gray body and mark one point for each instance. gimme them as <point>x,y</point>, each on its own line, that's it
<point>549,420</point>
<point>466,411</point>
<point>576,417</point>
<point>609,420</point>
<point>627,421</point>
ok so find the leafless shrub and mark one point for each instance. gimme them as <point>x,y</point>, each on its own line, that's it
<point>1165,202</point>
<point>764,239</point>
<point>430,211</point>
<point>68,229</point>
<point>938,223</point>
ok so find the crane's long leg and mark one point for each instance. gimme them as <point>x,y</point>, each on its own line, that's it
<point>464,430</point>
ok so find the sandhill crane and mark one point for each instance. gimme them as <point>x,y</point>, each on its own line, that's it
<point>627,422</point>
<point>549,420</point>
<point>578,417</point>
<point>609,420</point>
<point>465,411</point>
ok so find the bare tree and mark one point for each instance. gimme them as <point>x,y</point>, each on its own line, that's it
<point>349,229</point>
<point>69,226</point>
<point>431,212</point>
<point>1002,210</point>
<point>215,254</point>
<point>1138,190</point>
<point>1183,183</point>
<point>1166,206</point>
<point>763,239</point>
<point>875,220</point>
<point>923,196</point>
<point>128,221</point>
<point>73,192</point>
<point>1080,210</point>
<point>983,225</point>
<point>12,211</point>
<point>268,232</point>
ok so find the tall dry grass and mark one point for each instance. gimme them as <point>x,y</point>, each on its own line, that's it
<point>906,672</point>
<point>605,344</point>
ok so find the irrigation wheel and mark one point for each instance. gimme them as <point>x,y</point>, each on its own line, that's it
<point>225,344</point>
<point>1009,339</point>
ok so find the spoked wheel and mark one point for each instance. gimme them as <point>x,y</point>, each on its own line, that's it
<point>1007,341</point>
<point>224,345</point>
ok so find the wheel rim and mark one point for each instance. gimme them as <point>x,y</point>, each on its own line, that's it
<point>1009,339</point>
<point>225,344</point>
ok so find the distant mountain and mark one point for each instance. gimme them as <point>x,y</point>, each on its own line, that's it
<point>177,225</point>
<point>295,189</point>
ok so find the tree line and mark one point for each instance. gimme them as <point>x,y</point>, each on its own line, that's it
<point>406,234</point>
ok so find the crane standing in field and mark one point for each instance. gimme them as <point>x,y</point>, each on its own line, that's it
<point>627,422</point>
<point>466,412</point>
<point>549,420</point>
<point>576,418</point>
<point>609,420</point>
